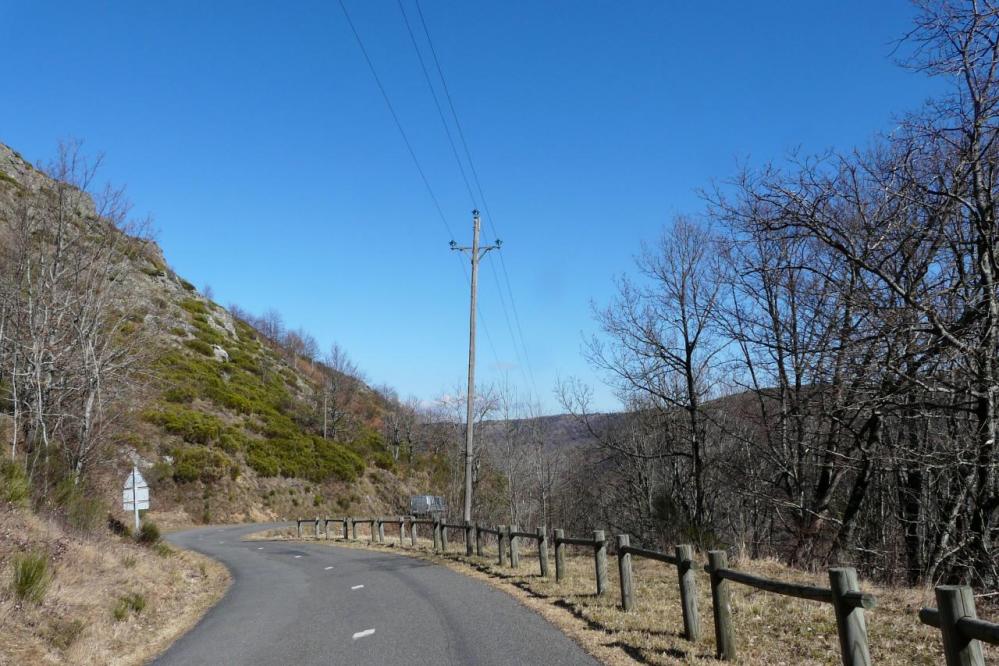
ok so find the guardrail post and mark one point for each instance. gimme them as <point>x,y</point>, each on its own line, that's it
<point>317,527</point>
<point>501,540</point>
<point>437,536</point>
<point>624,571</point>
<point>469,543</point>
<point>381,531</point>
<point>412,533</point>
<point>299,524</point>
<point>373,531</point>
<point>402,530</point>
<point>353,528</point>
<point>600,559</point>
<point>688,591</point>
<point>478,540</point>
<point>954,603</point>
<point>543,551</point>
<point>559,555</point>
<point>850,622</point>
<point>443,537</point>
<point>514,547</point>
<point>724,636</point>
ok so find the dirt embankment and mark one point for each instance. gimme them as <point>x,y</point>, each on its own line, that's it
<point>108,600</point>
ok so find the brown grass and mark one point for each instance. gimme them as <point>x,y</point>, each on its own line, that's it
<point>770,629</point>
<point>74,623</point>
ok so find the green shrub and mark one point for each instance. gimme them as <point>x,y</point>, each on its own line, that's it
<point>31,577</point>
<point>191,463</point>
<point>194,306</point>
<point>187,285</point>
<point>162,549</point>
<point>149,533</point>
<point>200,346</point>
<point>133,602</point>
<point>179,394</point>
<point>14,483</point>
<point>83,511</point>
<point>192,426</point>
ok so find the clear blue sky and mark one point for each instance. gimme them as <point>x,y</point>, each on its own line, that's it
<point>256,137</point>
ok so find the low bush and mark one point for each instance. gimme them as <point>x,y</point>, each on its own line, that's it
<point>14,483</point>
<point>61,634</point>
<point>190,425</point>
<point>118,527</point>
<point>200,346</point>
<point>31,577</point>
<point>149,533</point>
<point>83,511</point>
<point>192,463</point>
<point>133,602</point>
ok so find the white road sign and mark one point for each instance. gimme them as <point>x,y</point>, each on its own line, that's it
<point>135,496</point>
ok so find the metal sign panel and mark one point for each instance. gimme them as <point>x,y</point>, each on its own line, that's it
<point>135,495</point>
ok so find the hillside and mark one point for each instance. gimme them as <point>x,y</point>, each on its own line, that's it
<point>223,420</point>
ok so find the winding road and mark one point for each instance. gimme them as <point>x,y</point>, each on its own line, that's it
<point>303,604</point>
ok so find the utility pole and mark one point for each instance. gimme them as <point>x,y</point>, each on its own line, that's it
<point>476,252</point>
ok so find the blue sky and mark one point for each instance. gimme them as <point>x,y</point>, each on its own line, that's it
<point>255,136</point>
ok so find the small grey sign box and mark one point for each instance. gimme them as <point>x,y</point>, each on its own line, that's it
<point>422,505</point>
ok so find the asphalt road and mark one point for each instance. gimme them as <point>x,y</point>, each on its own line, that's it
<point>303,604</point>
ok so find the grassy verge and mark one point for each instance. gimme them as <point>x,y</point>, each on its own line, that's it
<point>100,599</point>
<point>770,629</point>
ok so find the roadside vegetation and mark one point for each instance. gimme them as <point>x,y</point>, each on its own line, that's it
<point>69,597</point>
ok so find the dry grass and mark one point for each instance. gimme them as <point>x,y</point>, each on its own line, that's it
<point>770,629</point>
<point>75,623</point>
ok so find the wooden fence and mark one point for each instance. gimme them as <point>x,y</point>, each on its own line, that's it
<point>961,630</point>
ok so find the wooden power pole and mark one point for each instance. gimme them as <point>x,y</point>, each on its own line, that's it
<point>476,252</point>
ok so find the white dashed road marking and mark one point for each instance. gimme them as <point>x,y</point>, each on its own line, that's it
<point>297,556</point>
<point>328,568</point>
<point>357,587</point>
<point>362,634</point>
<point>260,548</point>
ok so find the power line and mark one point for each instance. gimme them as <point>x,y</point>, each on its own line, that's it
<point>395,117</point>
<point>478,184</point>
<point>416,161</point>
<point>461,168</point>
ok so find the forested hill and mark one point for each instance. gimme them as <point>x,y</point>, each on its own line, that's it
<point>107,356</point>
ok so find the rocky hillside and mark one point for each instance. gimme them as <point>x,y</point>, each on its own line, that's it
<point>223,420</point>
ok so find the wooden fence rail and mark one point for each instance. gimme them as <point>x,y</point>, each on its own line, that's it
<point>961,630</point>
<point>683,560</point>
<point>599,545</point>
<point>844,594</point>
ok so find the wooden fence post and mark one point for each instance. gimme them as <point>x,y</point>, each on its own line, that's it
<point>559,555</point>
<point>514,547</point>
<point>624,571</point>
<point>543,551</point>
<point>469,543</point>
<point>955,602</point>
<point>688,591</point>
<point>850,622</point>
<point>478,540</point>
<point>724,636</point>
<point>501,540</point>
<point>600,559</point>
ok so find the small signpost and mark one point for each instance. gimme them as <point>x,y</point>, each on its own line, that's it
<point>136,494</point>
